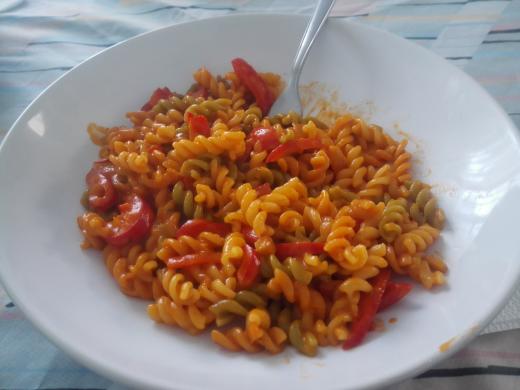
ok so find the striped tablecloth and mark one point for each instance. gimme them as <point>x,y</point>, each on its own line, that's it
<point>42,39</point>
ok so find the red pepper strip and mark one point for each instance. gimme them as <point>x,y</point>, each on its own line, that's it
<point>249,269</point>
<point>249,235</point>
<point>101,195</point>
<point>328,287</point>
<point>247,153</point>
<point>295,249</point>
<point>187,182</point>
<point>194,227</point>
<point>132,224</point>
<point>193,259</point>
<point>101,192</point>
<point>368,306</point>
<point>198,91</point>
<point>394,293</point>
<point>293,146</point>
<point>254,83</point>
<point>158,94</point>
<point>198,124</point>
<point>267,137</point>
<point>263,189</point>
<point>101,167</point>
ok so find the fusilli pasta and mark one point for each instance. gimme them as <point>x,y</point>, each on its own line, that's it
<point>271,230</point>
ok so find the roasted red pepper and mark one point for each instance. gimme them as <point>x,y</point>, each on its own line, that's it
<point>194,227</point>
<point>193,259</point>
<point>328,287</point>
<point>133,222</point>
<point>249,235</point>
<point>267,137</point>
<point>394,292</point>
<point>249,268</point>
<point>103,166</point>
<point>247,153</point>
<point>158,94</point>
<point>367,309</point>
<point>101,192</point>
<point>197,125</point>
<point>263,189</point>
<point>254,83</point>
<point>187,182</point>
<point>295,249</point>
<point>292,147</point>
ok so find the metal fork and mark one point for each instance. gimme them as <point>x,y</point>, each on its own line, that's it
<point>289,100</point>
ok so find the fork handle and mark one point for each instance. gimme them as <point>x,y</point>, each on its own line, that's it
<point>313,28</point>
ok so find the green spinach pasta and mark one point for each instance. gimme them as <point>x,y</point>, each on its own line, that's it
<point>264,230</point>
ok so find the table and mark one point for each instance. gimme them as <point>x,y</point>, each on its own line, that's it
<point>40,40</point>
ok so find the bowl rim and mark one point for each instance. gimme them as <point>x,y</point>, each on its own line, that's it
<point>133,380</point>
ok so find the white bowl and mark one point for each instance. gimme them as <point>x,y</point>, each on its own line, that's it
<point>465,139</point>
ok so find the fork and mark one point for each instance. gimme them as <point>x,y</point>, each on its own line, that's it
<point>289,100</point>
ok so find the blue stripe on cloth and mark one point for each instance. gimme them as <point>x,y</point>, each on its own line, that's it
<point>72,43</point>
<point>47,366</point>
<point>21,18</point>
<point>35,70</point>
<point>169,7</point>
<point>505,31</point>
<point>502,41</point>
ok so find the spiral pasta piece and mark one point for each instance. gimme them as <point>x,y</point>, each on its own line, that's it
<point>208,108</point>
<point>143,265</point>
<point>94,229</point>
<point>319,173</point>
<point>219,287</point>
<point>293,291</point>
<point>180,290</point>
<point>189,318</point>
<point>283,195</point>
<point>249,210</point>
<point>230,142</point>
<point>216,88</point>
<point>371,134</point>
<point>376,187</point>
<point>393,217</point>
<point>222,180</point>
<point>342,230</point>
<point>207,196</point>
<point>237,339</point>
<point>232,251</point>
<point>417,240</point>
<point>185,202</point>
<point>131,161</point>
<point>352,172</point>
<point>119,267</point>
<point>305,342</point>
<point>184,245</point>
<point>424,206</point>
